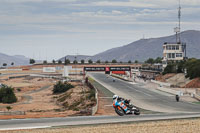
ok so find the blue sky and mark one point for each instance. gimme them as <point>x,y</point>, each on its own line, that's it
<point>50,29</point>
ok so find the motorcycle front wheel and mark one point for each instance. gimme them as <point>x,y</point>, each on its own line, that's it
<point>119,111</point>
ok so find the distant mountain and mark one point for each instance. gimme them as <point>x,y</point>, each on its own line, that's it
<point>16,59</point>
<point>151,48</point>
<point>78,57</point>
<point>147,48</point>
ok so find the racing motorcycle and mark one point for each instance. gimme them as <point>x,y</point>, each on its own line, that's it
<point>133,110</point>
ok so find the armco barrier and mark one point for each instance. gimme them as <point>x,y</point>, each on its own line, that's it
<point>197,97</point>
<point>171,91</point>
<point>161,83</point>
<point>94,109</point>
<point>120,77</point>
<point>12,113</point>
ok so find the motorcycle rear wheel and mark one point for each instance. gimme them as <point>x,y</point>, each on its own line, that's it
<point>137,112</point>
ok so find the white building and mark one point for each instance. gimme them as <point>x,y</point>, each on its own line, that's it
<point>173,52</point>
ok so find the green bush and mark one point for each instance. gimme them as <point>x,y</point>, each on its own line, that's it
<point>61,87</point>
<point>171,68</point>
<point>7,94</point>
<point>193,68</point>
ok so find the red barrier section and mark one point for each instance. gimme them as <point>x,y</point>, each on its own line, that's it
<point>118,72</point>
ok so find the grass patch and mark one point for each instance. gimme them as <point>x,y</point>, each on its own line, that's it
<point>196,102</point>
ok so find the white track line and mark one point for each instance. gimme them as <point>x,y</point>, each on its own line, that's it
<point>22,128</point>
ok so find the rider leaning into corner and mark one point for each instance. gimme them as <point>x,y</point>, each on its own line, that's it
<point>119,101</point>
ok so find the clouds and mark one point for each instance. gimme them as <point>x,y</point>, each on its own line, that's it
<point>123,20</point>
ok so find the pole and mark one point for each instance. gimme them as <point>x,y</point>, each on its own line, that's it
<point>179,17</point>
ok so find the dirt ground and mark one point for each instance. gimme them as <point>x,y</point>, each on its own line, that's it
<point>36,100</point>
<point>179,80</point>
<point>168,126</point>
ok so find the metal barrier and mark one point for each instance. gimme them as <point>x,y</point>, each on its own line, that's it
<point>12,113</point>
<point>161,83</point>
<point>94,109</point>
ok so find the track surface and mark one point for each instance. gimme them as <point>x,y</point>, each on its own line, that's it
<point>141,96</point>
<point>145,98</point>
<point>84,120</point>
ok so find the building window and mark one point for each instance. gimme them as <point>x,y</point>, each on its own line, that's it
<point>173,55</point>
<point>173,47</point>
<point>177,47</point>
<point>169,55</point>
<point>170,47</point>
<point>179,55</point>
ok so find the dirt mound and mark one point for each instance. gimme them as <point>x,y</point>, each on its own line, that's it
<point>79,99</point>
<point>163,78</point>
<point>195,83</point>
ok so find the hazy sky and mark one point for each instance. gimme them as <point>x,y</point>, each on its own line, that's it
<point>50,29</point>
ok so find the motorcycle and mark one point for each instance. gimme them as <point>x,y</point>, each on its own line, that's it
<point>133,110</point>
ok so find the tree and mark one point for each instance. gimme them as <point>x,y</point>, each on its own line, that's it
<point>12,63</point>
<point>59,62</point>
<point>192,67</point>
<point>90,61</point>
<point>150,61</point>
<point>31,61</point>
<point>75,62</point>
<point>158,60</point>
<point>8,108</point>
<point>136,61</point>
<point>82,61</point>
<point>129,61</point>
<point>171,68</point>
<point>4,64</point>
<point>67,61</point>
<point>99,61</point>
<point>114,61</point>
<point>53,61</point>
<point>44,62</point>
<point>7,94</point>
<point>60,87</point>
<point>106,62</point>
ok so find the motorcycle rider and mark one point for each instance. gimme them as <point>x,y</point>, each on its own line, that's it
<point>119,101</point>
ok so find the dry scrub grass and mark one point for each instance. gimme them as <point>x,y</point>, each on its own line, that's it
<point>174,126</point>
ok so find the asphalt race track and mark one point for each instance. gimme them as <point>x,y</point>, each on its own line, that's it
<point>84,120</point>
<point>142,97</point>
<point>145,98</point>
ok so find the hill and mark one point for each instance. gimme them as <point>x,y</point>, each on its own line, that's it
<point>151,48</point>
<point>16,59</point>
<point>143,49</point>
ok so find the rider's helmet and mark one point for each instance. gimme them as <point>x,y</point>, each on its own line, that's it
<point>115,97</point>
